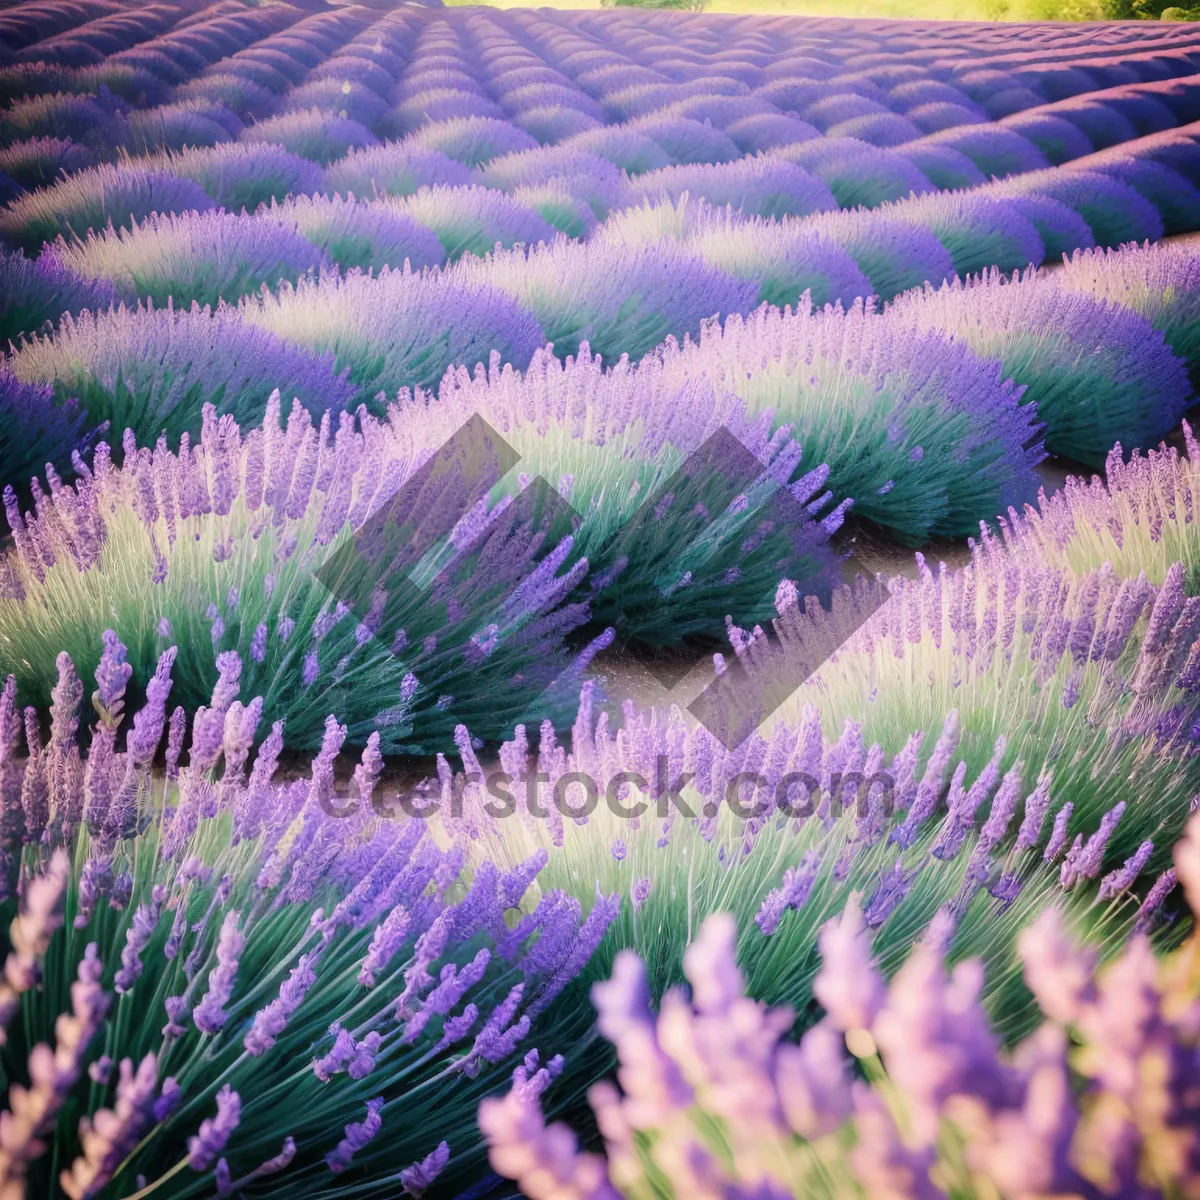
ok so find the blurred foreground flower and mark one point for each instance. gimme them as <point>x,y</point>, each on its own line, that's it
<point>1100,1100</point>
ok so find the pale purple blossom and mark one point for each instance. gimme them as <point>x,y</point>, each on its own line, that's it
<point>849,986</point>
<point>209,1015</point>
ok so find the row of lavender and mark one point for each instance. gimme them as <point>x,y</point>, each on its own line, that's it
<point>223,541</point>
<point>388,972</point>
<point>1104,349</point>
<point>397,332</point>
<point>48,133</point>
<point>436,207</point>
<point>407,70</point>
<point>426,59</point>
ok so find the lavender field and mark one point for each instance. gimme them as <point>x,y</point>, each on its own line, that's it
<point>548,648</point>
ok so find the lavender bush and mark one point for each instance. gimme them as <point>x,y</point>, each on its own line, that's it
<point>618,299</point>
<point>441,104</point>
<point>185,123</point>
<point>33,294</point>
<point>358,236</point>
<point>340,98</point>
<point>894,252</point>
<point>1161,282</point>
<point>979,231</point>
<point>189,950</point>
<point>686,141</point>
<point>363,67</point>
<point>474,220</point>
<point>1173,196</point>
<point>130,83</point>
<point>1095,372</point>
<point>759,133</point>
<point>242,96</point>
<point>946,168</point>
<point>762,186</point>
<point>224,544</point>
<point>859,175</point>
<point>685,515</point>
<point>35,431</point>
<point>1116,212</point>
<point>786,259</point>
<point>399,328</point>
<point>153,370</point>
<point>188,258</point>
<point>393,169</point>
<point>82,119</point>
<point>92,198</point>
<point>1062,230</point>
<point>1057,138</point>
<point>996,151</point>
<point>39,161</point>
<point>558,207</point>
<point>242,175</point>
<point>311,134</point>
<point>472,141</point>
<point>625,147</point>
<point>553,124</point>
<point>925,436</point>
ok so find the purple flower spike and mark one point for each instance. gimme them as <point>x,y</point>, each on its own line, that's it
<point>271,1021</point>
<point>209,1015</point>
<point>417,1178</point>
<point>215,1131</point>
<point>258,644</point>
<point>1058,837</point>
<point>1036,805</point>
<point>1164,885</point>
<point>176,732</point>
<point>1123,878</point>
<point>137,938</point>
<point>111,677</point>
<point>1084,860</point>
<point>357,1136</point>
<point>149,721</point>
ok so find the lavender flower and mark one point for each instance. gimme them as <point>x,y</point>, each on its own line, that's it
<point>215,1131</point>
<point>417,1178</point>
<point>30,935</point>
<point>111,1134</point>
<point>357,1136</point>
<point>137,938</point>
<point>849,987</point>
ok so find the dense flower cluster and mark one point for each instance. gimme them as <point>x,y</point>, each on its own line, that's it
<point>1052,702</point>
<point>212,927</point>
<point>1140,519</point>
<point>255,548</point>
<point>713,1101</point>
